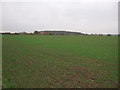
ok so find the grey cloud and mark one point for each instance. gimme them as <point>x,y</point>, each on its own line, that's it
<point>84,17</point>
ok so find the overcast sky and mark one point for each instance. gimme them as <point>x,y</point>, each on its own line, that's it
<point>93,16</point>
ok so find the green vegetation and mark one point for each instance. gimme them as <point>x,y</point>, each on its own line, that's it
<point>60,61</point>
<point>0,61</point>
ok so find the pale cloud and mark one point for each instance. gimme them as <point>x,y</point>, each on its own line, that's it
<point>74,15</point>
<point>0,16</point>
<point>59,0</point>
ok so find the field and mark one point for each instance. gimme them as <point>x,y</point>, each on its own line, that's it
<point>0,61</point>
<point>34,61</point>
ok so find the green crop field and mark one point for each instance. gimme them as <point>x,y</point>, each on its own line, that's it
<point>0,61</point>
<point>53,61</point>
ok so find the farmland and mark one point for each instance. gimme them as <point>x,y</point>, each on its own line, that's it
<point>0,61</point>
<point>36,61</point>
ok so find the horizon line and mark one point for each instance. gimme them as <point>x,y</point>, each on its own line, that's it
<point>54,30</point>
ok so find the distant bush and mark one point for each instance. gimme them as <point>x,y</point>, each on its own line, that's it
<point>36,32</point>
<point>108,35</point>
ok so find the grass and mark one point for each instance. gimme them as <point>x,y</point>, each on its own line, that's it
<point>0,61</point>
<point>31,61</point>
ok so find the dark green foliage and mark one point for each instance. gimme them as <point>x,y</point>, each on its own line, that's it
<point>36,32</point>
<point>108,34</point>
